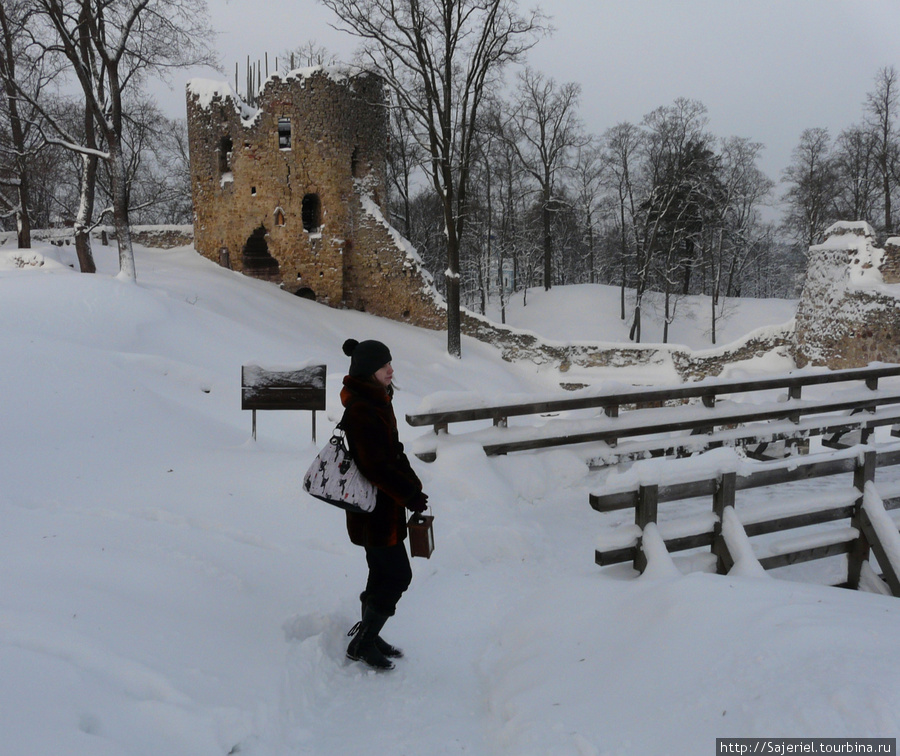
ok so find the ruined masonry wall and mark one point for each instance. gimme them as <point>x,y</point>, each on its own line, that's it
<point>849,310</point>
<point>890,266</point>
<point>388,280</point>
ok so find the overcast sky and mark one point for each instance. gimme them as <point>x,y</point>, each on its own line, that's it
<point>765,69</point>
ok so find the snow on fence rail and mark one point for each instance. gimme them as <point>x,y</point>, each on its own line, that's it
<point>653,414</point>
<point>728,531</point>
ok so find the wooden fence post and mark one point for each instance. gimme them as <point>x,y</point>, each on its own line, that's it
<point>889,570</point>
<point>863,473</point>
<point>644,513</point>
<point>723,497</point>
<point>612,410</point>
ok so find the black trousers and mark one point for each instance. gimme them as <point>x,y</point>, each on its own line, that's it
<point>389,576</point>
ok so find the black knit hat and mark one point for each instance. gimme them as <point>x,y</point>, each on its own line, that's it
<point>366,357</point>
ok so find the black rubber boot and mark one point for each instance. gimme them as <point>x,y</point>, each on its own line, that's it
<point>391,652</point>
<point>362,647</point>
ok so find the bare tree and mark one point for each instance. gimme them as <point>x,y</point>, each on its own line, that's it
<point>74,124</point>
<point>482,212</point>
<point>508,200</point>
<point>589,175</point>
<point>732,238</point>
<point>812,187</point>
<point>859,186</point>
<point>111,46</point>
<point>309,54</point>
<point>403,159</point>
<point>441,59</point>
<point>545,131</point>
<point>621,144</point>
<point>883,106</point>
<point>20,143</point>
<point>157,166</point>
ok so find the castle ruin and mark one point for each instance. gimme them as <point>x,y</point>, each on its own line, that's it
<point>849,310</point>
<point>292,190</point>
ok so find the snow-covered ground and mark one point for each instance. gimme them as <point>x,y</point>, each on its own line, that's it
<point>167,588</point>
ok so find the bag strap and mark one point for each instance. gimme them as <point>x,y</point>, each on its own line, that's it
<point>340,433</point>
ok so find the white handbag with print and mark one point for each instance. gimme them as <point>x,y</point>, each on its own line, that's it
<point>334,477</point>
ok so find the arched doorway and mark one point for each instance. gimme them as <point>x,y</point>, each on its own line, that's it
<point>256,260</point>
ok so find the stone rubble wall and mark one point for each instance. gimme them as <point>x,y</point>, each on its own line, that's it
<point>517,346</point>
<point>160,237</point>
<point>156,237</point>
<point>388,279</point>
<point>890,267</point>
<point>849,310</point>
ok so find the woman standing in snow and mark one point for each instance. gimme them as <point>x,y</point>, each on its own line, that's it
<point>371,430</point>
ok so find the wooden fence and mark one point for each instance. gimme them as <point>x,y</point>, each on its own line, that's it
<point>800,418</point>
<point>864,508</point>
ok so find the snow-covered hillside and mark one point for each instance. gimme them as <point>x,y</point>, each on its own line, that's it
<point>591,313</point>
<point>167,588</point>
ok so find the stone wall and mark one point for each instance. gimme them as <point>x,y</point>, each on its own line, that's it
<point>849,310</point>
<point>688,365</point>
<point>157,237</point>
<point>383,274</point>
<point>160,237</point>
<point>890,265</point>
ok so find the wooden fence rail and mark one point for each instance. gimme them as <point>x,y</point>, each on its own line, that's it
<point>856,541</point>
<point>678,419</point>
<point>610,403</point>
<point>791,411</point>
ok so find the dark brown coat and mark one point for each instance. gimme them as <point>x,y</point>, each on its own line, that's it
<point>371,429</point>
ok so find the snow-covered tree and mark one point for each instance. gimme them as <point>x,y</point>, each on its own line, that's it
<point>111,46</point>
<point>19,139</point>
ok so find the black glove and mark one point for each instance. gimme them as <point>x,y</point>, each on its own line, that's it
<point>418,503</point>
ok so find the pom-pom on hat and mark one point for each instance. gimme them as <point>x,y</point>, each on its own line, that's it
<point>366,357</point>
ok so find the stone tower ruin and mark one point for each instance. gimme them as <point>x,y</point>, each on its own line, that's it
<point>292,190</point>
